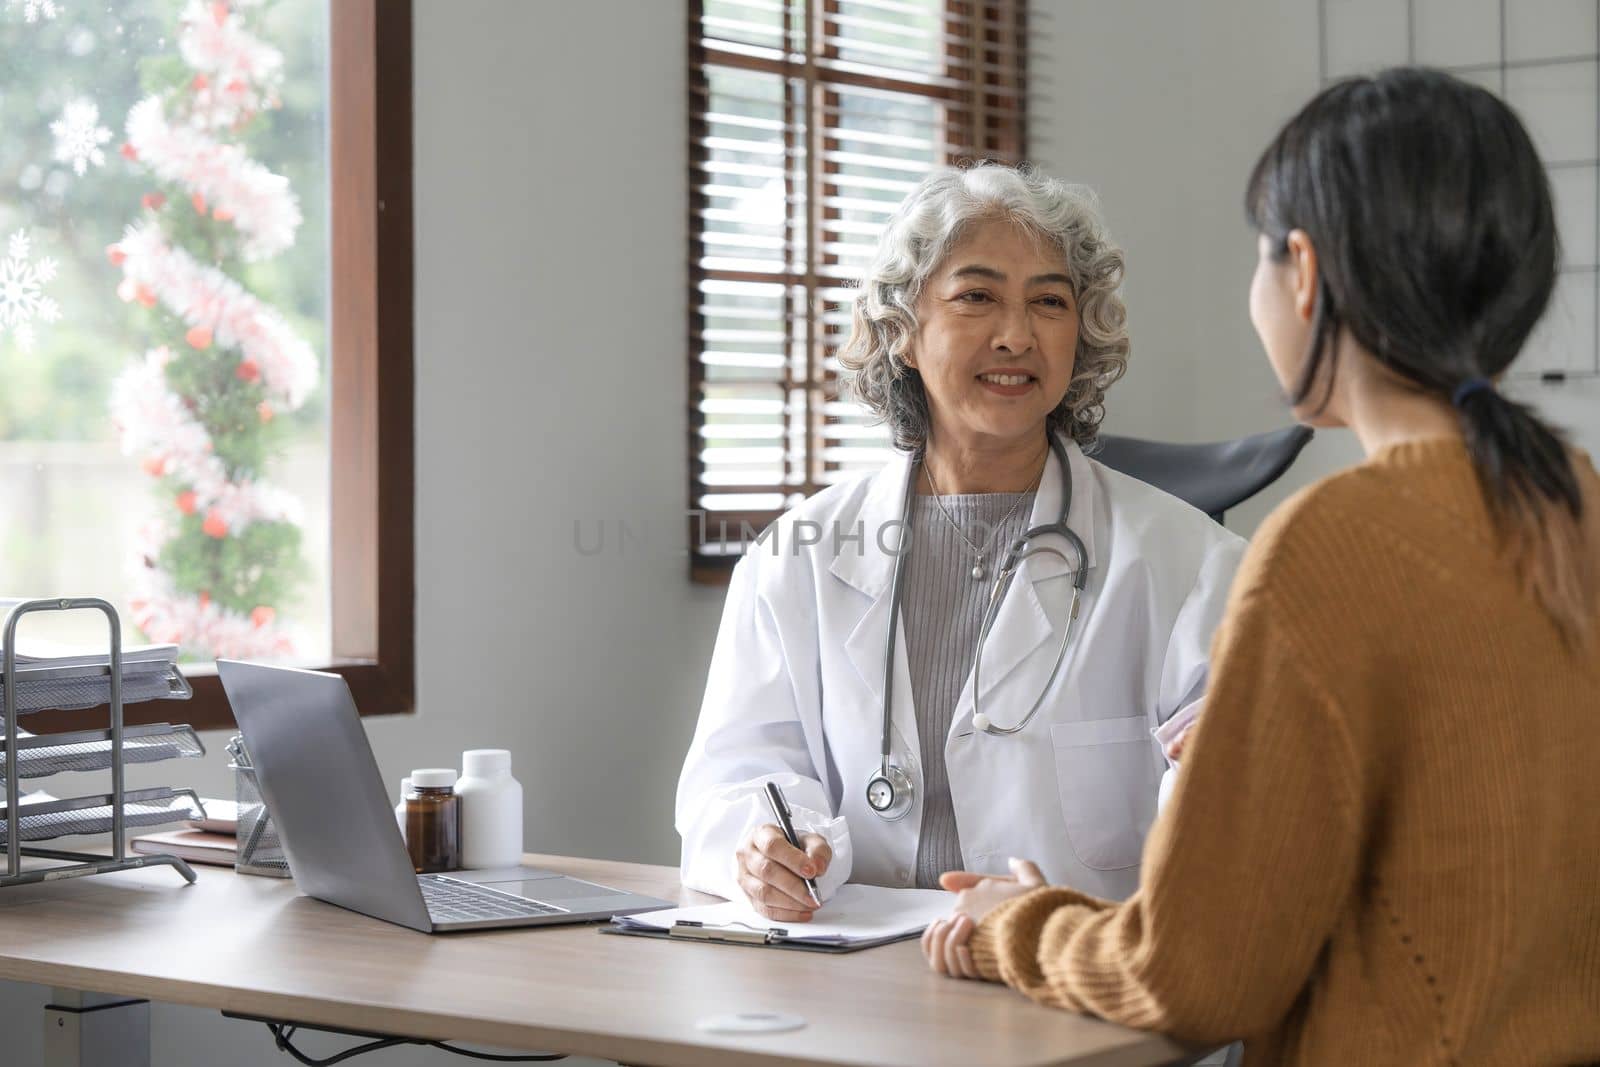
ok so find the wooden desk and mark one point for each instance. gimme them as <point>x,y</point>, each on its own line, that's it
<point>255,946</point>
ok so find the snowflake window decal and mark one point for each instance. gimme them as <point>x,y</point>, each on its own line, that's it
<point>22,298</point>
<point>34,10</point>
<point>79,135</point>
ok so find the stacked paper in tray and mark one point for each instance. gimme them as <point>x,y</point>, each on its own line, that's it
<point>51,676</point>
<point>90,750</point>
<point>42,816</point>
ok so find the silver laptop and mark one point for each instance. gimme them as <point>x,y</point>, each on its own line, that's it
<point>323,789</point>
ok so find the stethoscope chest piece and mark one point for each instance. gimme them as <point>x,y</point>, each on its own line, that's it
<point>890,793</point>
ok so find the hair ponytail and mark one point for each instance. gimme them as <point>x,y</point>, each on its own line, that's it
<point>1531,483</point>
<point>1435,231</point>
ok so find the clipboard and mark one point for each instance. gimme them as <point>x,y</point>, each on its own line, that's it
<point>753,938</point>
<point>855,917</point>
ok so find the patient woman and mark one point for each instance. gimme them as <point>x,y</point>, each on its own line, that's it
<point>1383,847</point>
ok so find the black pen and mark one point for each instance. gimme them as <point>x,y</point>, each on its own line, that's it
<point>780,811</point>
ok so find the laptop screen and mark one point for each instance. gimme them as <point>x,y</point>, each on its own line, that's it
<point>323,790</point>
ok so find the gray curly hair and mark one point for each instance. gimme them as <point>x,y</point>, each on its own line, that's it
<point>930,221</point>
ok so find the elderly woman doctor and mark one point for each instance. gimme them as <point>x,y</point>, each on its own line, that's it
<point>985,335</point>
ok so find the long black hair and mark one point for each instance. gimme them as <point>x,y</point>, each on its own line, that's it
<point>1436,243</point>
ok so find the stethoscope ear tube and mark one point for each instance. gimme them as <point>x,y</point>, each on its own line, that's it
<point>891,792</point>
<point>902,551</point>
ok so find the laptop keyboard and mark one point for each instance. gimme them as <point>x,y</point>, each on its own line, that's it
<point>453,901</point>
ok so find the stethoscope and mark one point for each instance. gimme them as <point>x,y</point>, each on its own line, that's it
<point>890,790</point>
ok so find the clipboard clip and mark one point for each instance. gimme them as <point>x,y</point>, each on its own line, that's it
<point>697,931</point>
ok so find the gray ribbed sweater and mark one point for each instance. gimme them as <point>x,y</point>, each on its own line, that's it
<point>941,610</point>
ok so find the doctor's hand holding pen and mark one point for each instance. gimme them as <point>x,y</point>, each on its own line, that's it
<point>945,941</point>
<point>772,873</point>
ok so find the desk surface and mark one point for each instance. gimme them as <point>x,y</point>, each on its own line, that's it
<point>255,946</point>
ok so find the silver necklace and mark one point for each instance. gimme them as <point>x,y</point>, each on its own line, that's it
<point>979,553</point>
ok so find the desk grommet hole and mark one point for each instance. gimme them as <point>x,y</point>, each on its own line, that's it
<point>751,1022</point>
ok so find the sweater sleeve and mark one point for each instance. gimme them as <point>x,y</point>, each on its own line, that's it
<point>1245,872</point>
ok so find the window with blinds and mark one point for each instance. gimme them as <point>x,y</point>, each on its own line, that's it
<point>809,122</point>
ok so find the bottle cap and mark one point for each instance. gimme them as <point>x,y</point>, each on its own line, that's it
<point>486,762</point>
<point>433,778</point>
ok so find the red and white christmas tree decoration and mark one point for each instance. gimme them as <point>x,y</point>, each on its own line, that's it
<point>197,409</point>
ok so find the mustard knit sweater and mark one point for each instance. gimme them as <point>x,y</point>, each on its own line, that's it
<point>1384,846</point>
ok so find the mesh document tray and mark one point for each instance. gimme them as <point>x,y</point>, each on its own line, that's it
<point>90,750</point>
<point>43,689</point>
<point>92,815</point>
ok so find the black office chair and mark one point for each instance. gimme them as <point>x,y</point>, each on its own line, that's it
<point>1213,477</point>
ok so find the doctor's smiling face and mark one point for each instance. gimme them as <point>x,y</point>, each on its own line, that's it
<point>991,312</point>
<point>997,336</point>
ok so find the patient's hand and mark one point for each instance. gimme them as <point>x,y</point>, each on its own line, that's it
<point>944,943</point>
<point>771,872</point>
<point>979,894</point>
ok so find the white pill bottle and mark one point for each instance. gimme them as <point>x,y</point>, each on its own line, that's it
<point>491,809</point>
<point>400,808</point>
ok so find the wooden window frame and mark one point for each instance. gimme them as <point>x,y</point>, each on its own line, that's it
<point>996,86</point>
<point>372,565</point>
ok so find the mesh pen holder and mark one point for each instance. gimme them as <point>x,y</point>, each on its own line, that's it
<point>260,851</point>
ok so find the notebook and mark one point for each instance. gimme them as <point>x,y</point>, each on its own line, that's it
<point>196,846</point>
<point>857,917</point>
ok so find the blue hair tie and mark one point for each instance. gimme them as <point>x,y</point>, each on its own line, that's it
<point>1468,387</point>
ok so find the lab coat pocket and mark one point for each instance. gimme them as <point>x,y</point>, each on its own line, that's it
<point>1108,779</point>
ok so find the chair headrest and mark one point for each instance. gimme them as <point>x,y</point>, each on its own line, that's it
<point>1213,477</point>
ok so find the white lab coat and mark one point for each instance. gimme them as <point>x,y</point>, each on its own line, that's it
<point>795,684</point>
